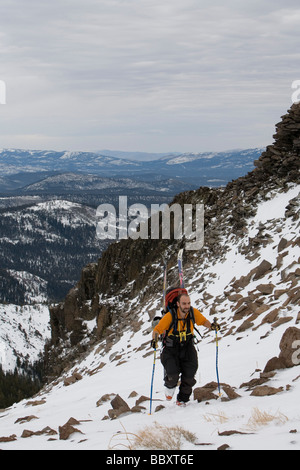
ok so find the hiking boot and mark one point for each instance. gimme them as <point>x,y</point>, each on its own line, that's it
<point>169,392</point>
<point>180,403</point>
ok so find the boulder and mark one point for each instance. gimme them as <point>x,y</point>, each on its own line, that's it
<point>265,390</point>
<point>47,430</point>
<point>289,351</point>
<point>289,344</point>
<point>274,364</point>
<point>265,289</point>
<point>67,429</point>
<point>204,394</point>
<point>10,438</point>
<point>72,379</point>
<point>262,269</point>
<point>119,406</point>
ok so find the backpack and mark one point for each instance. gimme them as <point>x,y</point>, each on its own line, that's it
<point>171,306</point>
<point>172,296</point>
<point>178,337</point>
<point>170,302</point>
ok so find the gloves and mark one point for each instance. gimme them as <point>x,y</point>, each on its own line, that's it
<point>215,326</point>
<point>154,341</point>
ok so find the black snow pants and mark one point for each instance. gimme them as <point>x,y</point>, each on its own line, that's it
<point>180,361</point>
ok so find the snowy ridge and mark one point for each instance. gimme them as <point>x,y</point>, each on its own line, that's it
<point>190,157</point>
<point>35,287</point>
<point>248,339</point>
<point>80,182</point>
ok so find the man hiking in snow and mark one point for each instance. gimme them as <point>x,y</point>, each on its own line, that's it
<point>179,356</point>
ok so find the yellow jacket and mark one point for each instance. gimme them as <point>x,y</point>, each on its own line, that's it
<point>166,322</point>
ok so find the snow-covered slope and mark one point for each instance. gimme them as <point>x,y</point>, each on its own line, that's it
<point>23,332</point>
<point>254,309</point>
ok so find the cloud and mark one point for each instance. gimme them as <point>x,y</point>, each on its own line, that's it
<point>111,73</point>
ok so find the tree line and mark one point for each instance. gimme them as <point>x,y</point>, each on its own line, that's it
<point>24,382</point>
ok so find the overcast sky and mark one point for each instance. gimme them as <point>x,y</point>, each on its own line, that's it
<point>146,75</point>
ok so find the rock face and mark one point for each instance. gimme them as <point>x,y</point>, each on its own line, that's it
<point>67,316</point>
<point>226,212</point>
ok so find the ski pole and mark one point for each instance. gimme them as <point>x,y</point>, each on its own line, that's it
<point>151,391</point>
<point>155,339</point>
<point>217,359</point>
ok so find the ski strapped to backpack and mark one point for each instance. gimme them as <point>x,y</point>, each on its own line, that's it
<point>157,319</point>
<point>180,269</point>
<point>165,281</point>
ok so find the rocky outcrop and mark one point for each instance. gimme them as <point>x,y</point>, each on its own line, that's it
<point>68,316</point>
<point>282,158</point>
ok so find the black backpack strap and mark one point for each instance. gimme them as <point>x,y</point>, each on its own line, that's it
<point>174,322</point>
<point>192,315</point>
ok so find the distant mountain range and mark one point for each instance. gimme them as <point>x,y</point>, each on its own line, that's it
<point>76,182</point>
<point>21,170</point>
<point>48,207</point>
